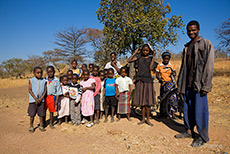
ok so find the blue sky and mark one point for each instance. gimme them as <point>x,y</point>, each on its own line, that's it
<point>28,26</point>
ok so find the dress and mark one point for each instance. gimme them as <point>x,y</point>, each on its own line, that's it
<point>87,101</point>
<point>144,90</point>
<point>63,103</point>
<point>102,95</point>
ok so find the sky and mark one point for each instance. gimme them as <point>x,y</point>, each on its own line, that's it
<point>27,27</point>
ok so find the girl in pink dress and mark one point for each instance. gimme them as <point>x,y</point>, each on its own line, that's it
<point>87,101</point>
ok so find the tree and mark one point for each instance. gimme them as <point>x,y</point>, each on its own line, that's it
<point>34,61</point>
<point>15,67</point>
<point>53,56</point>
<point>102,52</point>
<point>223,34</point>
<point>70,42</point>
<point>130,23</point>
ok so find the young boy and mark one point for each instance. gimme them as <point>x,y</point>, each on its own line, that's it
<point>163,74</point>
<point>75,97</point>
<point>70,75</point>
<point>123,90</point>
<point>37,92</point>
<point>53,92</point>
<point>96,92</point>
<point>76,70</point>
<point>110,95</point>
<point>91,68</point>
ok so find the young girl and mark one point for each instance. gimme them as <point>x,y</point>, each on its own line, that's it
<point>102,95</point>
<point>123,89</point>
<point>64,100</point>
<point>144,91</point>
<point>87,101</point>
<point>37,92</point>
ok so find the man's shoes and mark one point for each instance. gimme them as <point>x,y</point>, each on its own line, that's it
<point>183,135</point>
<point>197,142</point>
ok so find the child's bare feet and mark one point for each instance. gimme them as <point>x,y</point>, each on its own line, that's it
<point>97,121</point>
<point>118,119</point>
<point>59,122</point>
<point>149,123</point>
<point>141,122</point>
<point>31,129</point>
<point>105,121</point>
<point>112,119</point>
<point>129,119</point>
<point>42,129</point>
<point>52,127</point>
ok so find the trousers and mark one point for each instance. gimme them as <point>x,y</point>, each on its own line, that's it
<point>75,111</point>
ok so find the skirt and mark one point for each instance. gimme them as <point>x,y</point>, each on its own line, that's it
<point>123,104</point>
<point>144,94</point>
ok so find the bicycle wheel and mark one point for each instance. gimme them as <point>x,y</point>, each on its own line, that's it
<point>174,107</point>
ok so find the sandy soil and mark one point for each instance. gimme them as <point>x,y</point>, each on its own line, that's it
<point>117,137</point>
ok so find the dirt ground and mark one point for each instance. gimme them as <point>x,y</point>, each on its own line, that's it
<point>117,137</point>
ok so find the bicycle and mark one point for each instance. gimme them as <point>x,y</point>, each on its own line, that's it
<point>174,114</point>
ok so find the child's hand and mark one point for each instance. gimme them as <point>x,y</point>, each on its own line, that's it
<point>75,103</point>
<point>117,97</point>
<point>114,63</point>
<point>37,101</point>
<point>84,89</point>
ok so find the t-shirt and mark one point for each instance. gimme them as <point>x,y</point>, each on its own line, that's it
<point>108,65</point>
<point>98,85</point>
<point>123,83</point>
<point>143,73</point>
<point>75,91</point>
<point>110,87</point>
<point>164,71</point>
<point>77,71</point>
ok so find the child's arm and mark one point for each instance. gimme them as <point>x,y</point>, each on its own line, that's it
<point>130,88</point>
<point>152,61</point>
<point>44,93</point>
<point>117,92</point>
<point>158,76</point>
<point>79,95</point>
<point>89,88</point>
<point>32,94</point>
<point>132,58</point>
<point>114,64</point>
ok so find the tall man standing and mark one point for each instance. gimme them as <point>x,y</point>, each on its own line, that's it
<point>195,81</point>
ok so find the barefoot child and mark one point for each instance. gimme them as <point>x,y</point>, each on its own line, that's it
<point>96,92</point>
<point>123,90</point>
<point>87,101</point>
<point>75,105</point>
<point>110,95</point>
<point>144,91</point>
<point>37,92</point>
<point>53,92</point>
<point>102,95</point>
<point>64,100</point>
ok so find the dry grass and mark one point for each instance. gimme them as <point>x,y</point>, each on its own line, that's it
<point>10,83</point>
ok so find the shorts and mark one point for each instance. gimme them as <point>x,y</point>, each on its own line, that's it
<point>110,101</point>
<point>34,108</point>
<point>97,102</point>
<point>50,103</point>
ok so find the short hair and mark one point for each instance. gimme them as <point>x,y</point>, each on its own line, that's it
<point>95,66</point>
<point>166,54</point>
<point>91,64</point>
<point>86,70</point>
<point>63,76</point>
<point>123,68</point>
<point>84,65</point>
<point>113,53</point>
<point>101,71</point>
<point>148,46</point>
<point>36,68</point>
<point>193,22</point>
<point>69,71</point>
<point>50,67</point>
<point>74,61</point>
<point>74,74</point>
<point>110,69</point>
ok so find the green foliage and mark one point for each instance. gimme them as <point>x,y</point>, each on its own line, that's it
<point>130,23</point>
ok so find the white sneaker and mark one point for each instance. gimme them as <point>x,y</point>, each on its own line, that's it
<point>83,121</point>
<point>90,124</point>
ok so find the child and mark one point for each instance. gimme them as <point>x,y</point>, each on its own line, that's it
<point>37,92</point>
<point>106,73</point>
<point>76,70</point>
<point>87,101</point>
<point>53,92</point>
<point>64,100</point>
<point>163,73</point>
<point>123,89</point>
<point>96,92</point>
<point>102,95</point>
<point>75,96</point>
<point>110,95</point>
<point>69,75</point>
<point>84,66</point>
<point>144,91</point>
<point>91,68</point>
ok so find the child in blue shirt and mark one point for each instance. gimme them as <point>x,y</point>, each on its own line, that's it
<point>110,95</point>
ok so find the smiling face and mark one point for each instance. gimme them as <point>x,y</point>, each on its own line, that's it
<point>85,75</point>
<point>166,60</point>
<point>95,71</point>
<point>75,78</point>
<point>70,75</point>
<point>74,64</point>
<point>123,72</point>
<point>50,72</point>
<point>110,74</point>
<point>193,32</point>
<point>65,80</point>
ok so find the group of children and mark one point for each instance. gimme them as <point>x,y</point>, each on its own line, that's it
<point>88,93</point>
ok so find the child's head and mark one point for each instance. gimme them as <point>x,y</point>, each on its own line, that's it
<point>74,64</point>
<point>83,66</point>
<point>74,78</point>
<point>70,74</point>
<point>110,73</point>
<point>95,70</point>
<point>64,79</point>
<point>123,71</point>
<point>113,56</point>
<point>106,72</point>
<point>50,71</point>
<point>146,50</point>
<point>91,67</point>
<point>85,75</point>
<point>102,75</point>
<point>166,57</point>
<point>193,29</point>
<point>38,72</point>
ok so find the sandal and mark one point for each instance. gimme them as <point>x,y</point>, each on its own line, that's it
<point>31,129</point>
<point>90,124</point>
